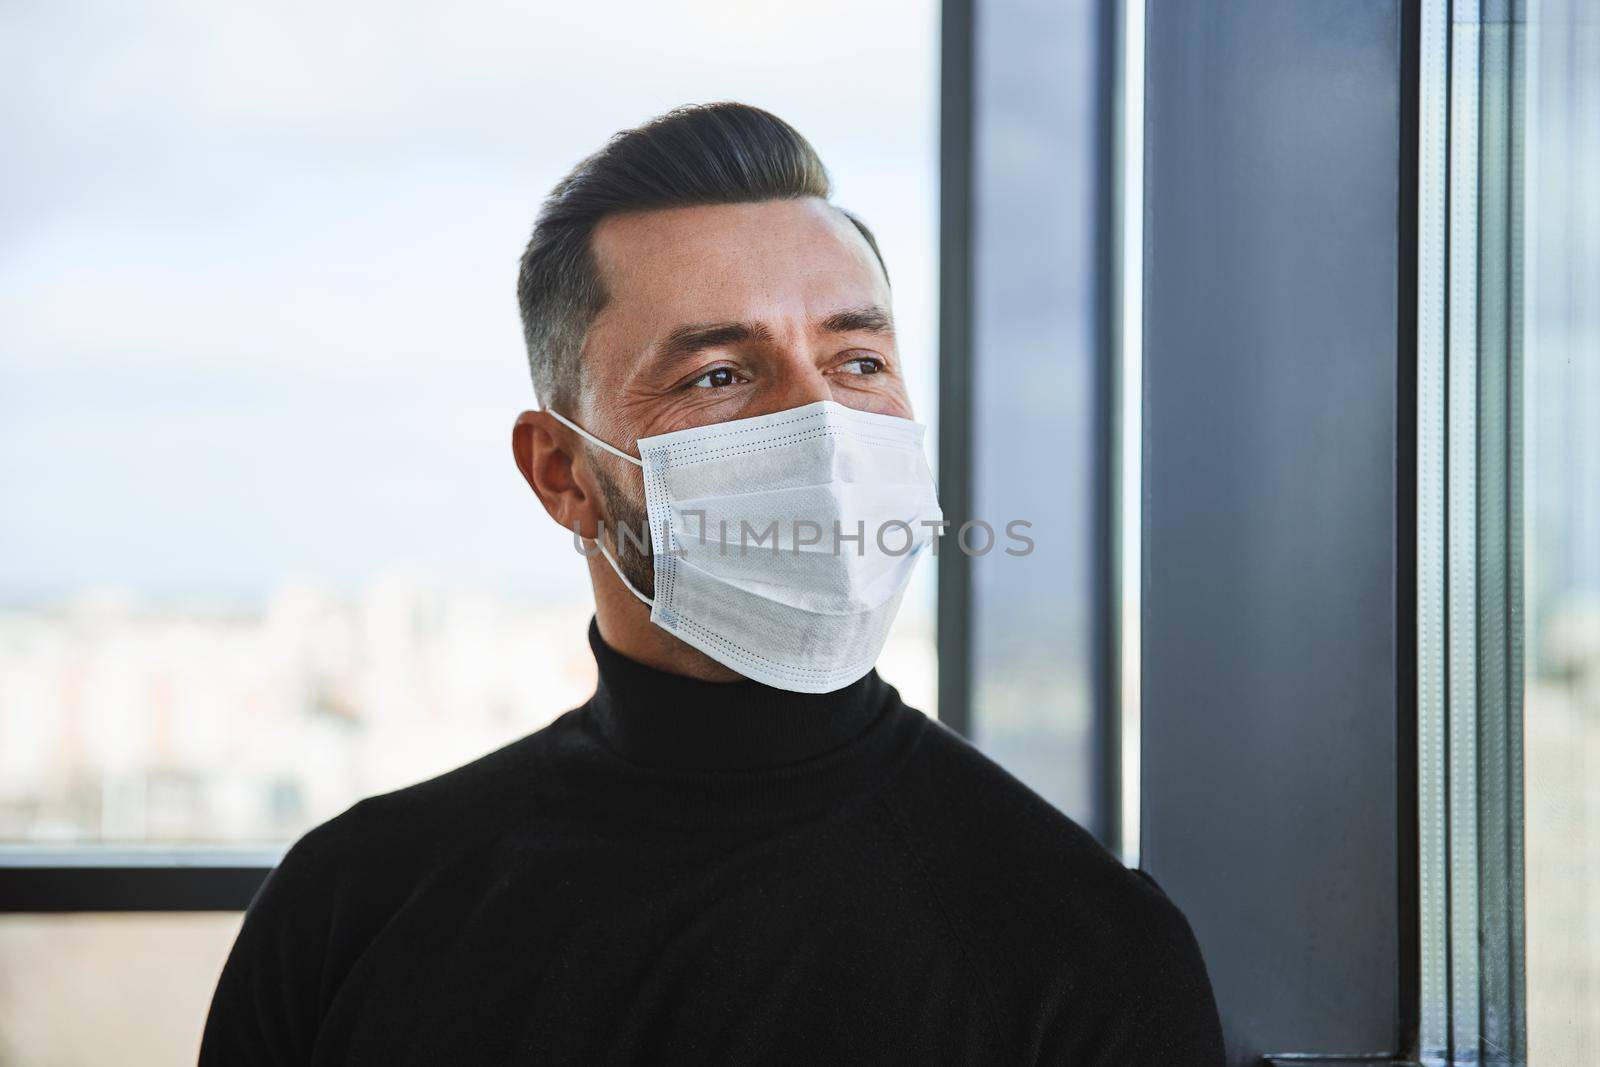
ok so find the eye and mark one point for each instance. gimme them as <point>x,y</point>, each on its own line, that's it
<point>864,365</point>
<point>716,378</point>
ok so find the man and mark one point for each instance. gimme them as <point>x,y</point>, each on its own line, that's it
<point>744,848</point>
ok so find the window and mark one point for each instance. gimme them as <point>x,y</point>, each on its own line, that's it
<point>263,549</point>
<point>1035,389</point>
<point>1509,533</point>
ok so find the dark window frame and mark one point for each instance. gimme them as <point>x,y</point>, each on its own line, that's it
<point>102,878</point>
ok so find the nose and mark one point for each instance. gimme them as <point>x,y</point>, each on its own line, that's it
<point>795,381</point>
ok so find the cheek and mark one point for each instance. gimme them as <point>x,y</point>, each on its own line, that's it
<point>879,394</point>
<point>693,407</point>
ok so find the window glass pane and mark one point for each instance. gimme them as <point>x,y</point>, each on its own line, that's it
<point>90,989</point>
<point>263,549</point>
<point>1562,354</point>
<point>1036,171</point>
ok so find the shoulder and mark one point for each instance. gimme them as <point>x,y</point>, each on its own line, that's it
<point>1075,946</point>
<point>966,807</point>
<point>385,842</point>
<point>340,883</point>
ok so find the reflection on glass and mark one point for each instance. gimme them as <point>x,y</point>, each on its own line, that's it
<point>1562,353</point>
<point>263,549</point>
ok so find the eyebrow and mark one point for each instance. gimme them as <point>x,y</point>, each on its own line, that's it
<point>689,339</point>
<point>868,319</point>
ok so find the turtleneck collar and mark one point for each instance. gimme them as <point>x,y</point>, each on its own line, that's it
<point>658,719</point>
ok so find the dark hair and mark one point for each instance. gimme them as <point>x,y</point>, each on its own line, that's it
<point>724,153</point>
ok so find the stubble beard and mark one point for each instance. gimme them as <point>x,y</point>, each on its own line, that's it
<point>624,512</point>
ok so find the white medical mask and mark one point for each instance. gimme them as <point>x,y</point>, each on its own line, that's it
<point>850,505</point>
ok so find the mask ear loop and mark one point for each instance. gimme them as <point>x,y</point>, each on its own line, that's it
<point>592,439</point>
<point>601,545</point>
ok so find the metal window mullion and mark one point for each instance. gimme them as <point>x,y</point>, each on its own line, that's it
<point>1469,545</point>
<point>1432,711</point>
<point>954,611</point>
<point>1129,392</point>
<point>1498,722</point>
<point>1461,528</point>
<point>1516,933</point>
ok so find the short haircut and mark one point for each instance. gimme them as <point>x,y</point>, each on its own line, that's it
<point>723,153</point>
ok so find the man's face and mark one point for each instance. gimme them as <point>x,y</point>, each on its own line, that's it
<point>728,312</point>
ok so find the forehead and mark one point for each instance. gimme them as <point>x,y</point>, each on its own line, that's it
<point>717,262</point>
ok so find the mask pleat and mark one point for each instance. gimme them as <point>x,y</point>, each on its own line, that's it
<point>809,606</point>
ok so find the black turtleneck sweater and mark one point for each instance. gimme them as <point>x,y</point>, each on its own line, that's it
<point>690,872</point>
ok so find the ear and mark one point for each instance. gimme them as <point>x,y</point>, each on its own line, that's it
<point>551,457</point>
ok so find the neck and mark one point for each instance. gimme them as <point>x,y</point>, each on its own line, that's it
<point>665,720</point>
<point>625,625</point>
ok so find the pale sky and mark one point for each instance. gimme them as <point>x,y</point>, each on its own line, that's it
<point>257,314</point>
